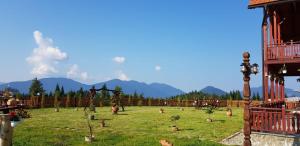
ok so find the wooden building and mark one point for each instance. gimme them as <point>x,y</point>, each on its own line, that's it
<point>281,58</point>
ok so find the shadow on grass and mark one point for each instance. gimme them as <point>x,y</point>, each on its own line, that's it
<point>101,119</point>
<point>187,129</point>
<point>121,114</point>
<point>221,121</point>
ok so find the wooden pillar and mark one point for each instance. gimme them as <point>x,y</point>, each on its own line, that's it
<point>266,85</point>
<point>276,89</point>
<point>278,30</point>
<point>282,90</point>
<point>283,118</point>
<point>275,27</point>
<point>265,57</point>
<point>246,94</point>
<point>271,32</point>
<point>272,88</point>
<point>6,130</point>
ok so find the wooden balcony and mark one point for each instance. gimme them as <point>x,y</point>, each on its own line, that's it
<point>275,120</point>
<point>284,53</point>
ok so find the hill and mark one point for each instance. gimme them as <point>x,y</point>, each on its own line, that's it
<point>213,90</point>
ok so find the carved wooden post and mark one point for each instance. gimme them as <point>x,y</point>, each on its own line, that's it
<point>246,94</point>
<point>6,130</point>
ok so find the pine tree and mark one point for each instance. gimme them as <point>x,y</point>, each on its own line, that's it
<point>36,87</point>
<point>257,96</point>
<point>62,91</point>
<point>105,97</point>
<point>57,94</point>
<point>254,96</point>
<point>35,90</point>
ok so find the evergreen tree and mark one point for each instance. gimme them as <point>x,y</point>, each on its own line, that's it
<point>257,96</point>
<point>135,95</point>
<point>36,87</point>
<point>57,94</point>
<point>35,90</point>
<point>50,94</point>
<point>62,91</point>
<point>105,97</point>
<point>254,96</point>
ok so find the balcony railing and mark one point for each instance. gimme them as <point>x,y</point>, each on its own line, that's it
<point>283,51</point>
<point>275,120</point>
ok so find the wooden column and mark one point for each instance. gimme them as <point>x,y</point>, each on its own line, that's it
<point>266,85</point>
<point>282,90</point>
<point>283,118</point>
<point>276,89</point>
<point>246,94</point>
<point>275,27</point>
<point>278,30</point>
<point>265,67</point>
<point>6,130</point>
<point>272,88</point>
<point>270,32</point>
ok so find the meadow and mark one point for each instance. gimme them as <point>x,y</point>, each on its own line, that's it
<point>137,126</point>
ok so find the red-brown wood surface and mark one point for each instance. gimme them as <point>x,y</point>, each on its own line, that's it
<point>274,120</point>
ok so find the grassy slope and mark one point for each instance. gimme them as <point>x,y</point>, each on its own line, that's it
<point>135,127</point>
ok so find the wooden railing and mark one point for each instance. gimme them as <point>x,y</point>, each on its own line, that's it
<point>275,120</point>
<point>283,51</point>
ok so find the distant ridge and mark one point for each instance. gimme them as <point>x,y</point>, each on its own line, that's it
<point>213,90</point>
<point>129,87</point>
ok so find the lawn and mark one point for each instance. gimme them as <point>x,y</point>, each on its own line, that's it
<point>137,126</point>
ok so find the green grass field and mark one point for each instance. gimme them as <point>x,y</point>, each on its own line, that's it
<point>137,126</point>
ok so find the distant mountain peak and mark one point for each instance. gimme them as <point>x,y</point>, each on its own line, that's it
<point>213,90</point>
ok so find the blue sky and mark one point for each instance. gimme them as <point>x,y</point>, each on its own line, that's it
<point>188,44</point>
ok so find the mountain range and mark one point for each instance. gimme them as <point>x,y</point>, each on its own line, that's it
<point>128,87</point>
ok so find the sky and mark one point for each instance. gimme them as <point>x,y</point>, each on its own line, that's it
<point>188,44</point>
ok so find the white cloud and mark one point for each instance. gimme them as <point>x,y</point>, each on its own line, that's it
<point>119,59</point>
<point>84,76</point>
<point>122,76</point>
<point>45,58</point>
<point>157,68</point>
<point>75,73</point>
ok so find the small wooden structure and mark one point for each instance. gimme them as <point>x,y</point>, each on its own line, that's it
<point>6,130</point>
<point>281,58</point>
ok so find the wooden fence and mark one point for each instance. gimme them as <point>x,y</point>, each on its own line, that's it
<point>75,102</point>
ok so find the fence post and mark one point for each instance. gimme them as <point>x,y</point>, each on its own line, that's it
<point>5,130</point>
<point>283,118</point>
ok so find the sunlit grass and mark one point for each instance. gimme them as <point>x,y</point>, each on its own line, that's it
<point>140,126</point>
